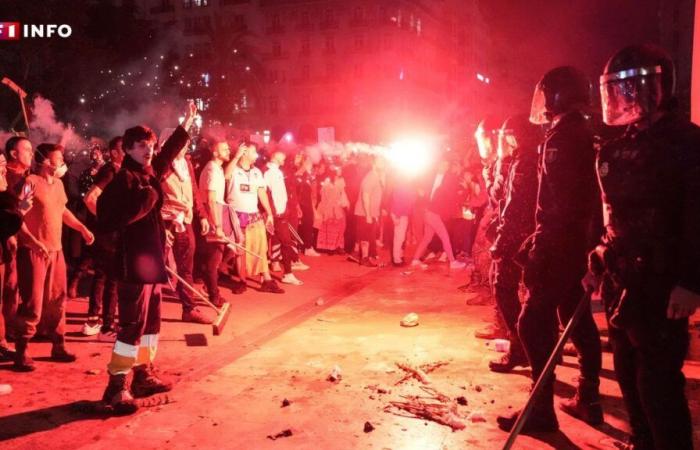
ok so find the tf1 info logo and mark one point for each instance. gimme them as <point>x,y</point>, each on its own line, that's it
<point>13,31</point>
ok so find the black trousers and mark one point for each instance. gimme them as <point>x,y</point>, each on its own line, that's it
<point>306,228</point>
<point>648,355</point>
<point>350,233</point>
<point>213,256</point>
<point>139,311</point>
<point>555,290</point>
<point>183,253</point>
<point>283,237</point>
<point>103,294</point>
<point>506,283</point>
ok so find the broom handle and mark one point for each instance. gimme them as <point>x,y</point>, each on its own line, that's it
<point>230,242</point>
<point>192,288</point>
<point>547,371</point>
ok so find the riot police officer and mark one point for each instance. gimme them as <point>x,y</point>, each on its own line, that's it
<point>650,182</point>
<point>556,259</point>
<point>517,140</point>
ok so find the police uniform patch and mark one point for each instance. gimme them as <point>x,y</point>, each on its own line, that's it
<point>550,154</point>
<point>603,169</point>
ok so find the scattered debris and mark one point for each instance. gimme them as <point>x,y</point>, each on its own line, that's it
<point>93,372</point>
<point>406,273</point>
<point>336,374</point>
<point>478,388</point>
<point>501,345</point>
<point>320,301</point>
<point>476,417</point>
<point>462,400</point>
<point>281,434</point>
<point>418,408</point>
<point>368,427</point>
<point>285,403</point>
<point>95,355</point>
<point>5,389</point>
<point>425,369</point>
<point>410,320</point>
<point>414,372</point>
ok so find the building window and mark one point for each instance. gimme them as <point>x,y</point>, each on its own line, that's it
<point>239,22</point>
<point>200,3</point>
<point>276,49</point>
<point>357,14</point>
<point>274,105</point>
<point>187,3</point>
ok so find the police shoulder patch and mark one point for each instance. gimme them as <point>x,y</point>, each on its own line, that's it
<point>550,154</point>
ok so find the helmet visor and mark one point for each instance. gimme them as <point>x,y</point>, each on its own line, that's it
<point>630,95</point>
<point>538,110</point>
<point>485,142</point>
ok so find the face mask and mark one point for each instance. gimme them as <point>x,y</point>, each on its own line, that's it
<point>60,171</point>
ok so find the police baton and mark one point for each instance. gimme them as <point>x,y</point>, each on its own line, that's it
<point>239,246</point>
<point>548,369</point>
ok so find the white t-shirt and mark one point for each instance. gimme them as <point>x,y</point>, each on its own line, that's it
<point>274,178</point>
<point>212,179</point>
<point>242,190</point>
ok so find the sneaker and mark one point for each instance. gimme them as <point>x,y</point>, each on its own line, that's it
<point>238,288</point>
<point>196,316</point>
<point>300,266</point>
<point>430,256</point>
<point>417,263</point>
<point>352,259</point>
<point>276,267</point>
<point>401,263</point>
<point>443,257</point>
<point>289,278</point>
<point>369,262</point>
<point>6,354</point>
<point>311,252</point>
<point>60,354</point>
<point>271,287</point>
<point>23,362</point>
<point>456,265</point>
<point>147,383</point>
<point>108,335</point>
<point>91,327</point>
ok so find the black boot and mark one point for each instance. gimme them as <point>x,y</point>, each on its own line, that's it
<point>586,404</point>
<point>118,397</point>
<point>510,360</point>
<point>146,383</point>
<point>23,363</point>
<point>6,354</point>
<point>541,419</point>
<point>60,354</point>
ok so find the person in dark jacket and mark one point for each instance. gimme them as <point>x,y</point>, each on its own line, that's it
<point>567,199</point>
<point>650,253</point>
<point>131,204</point>
<point>11,210</point>
<point>518,139</point>
<point>443,199</point>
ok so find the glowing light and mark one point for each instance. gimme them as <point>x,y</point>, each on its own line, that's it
<point>411,156</point>
<point>483,78</point>
<point>181,119</point>
<point>198,121</point>
<point>266,136</point>
<point>82,100</point>
<point>176,67</point>
<point>288,137</point>
<point>247,68</point>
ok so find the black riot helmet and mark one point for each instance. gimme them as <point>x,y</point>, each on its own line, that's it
<point>486,136</point>
<point>518,132</point>
<point>560,90</point>
<point>638,81</point>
